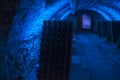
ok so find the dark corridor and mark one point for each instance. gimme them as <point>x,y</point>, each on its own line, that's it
<point>59,40</point>
<point>93,56</point>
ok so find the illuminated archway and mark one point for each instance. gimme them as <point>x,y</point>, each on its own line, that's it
<point>86,22</point>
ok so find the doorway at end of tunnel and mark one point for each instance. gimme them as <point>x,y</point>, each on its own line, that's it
<point>84,22</point>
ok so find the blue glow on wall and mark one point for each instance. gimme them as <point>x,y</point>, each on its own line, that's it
<point>66,15</point>
<point>102,13</point>
<point>111,11</point>
<point>24,37</point>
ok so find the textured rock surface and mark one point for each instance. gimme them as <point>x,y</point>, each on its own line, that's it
<point>24,37</point>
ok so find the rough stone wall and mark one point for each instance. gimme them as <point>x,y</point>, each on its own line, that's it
<point>7,11</point>
<point>24,37</point>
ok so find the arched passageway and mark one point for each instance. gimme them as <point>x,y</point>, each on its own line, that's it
<point>93,57</point>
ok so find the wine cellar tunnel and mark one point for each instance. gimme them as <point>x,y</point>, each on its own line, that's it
<point>59,40</point>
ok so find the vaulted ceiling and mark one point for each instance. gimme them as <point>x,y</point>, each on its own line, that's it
<point>108,8</point>
<point>53,9</point>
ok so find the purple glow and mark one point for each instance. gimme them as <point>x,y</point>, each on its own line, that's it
<point>86,22</point>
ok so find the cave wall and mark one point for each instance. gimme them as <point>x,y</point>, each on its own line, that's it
<point>23,43</point>
<point>7,11</point>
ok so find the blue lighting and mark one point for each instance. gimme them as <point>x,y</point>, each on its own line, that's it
<point>24,37</point>
<point>86,22</point>
<point>102,13</point>
<point>66,15</point>
<point>113,13</point>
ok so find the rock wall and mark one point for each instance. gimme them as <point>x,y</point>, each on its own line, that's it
<point>24,37</point>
